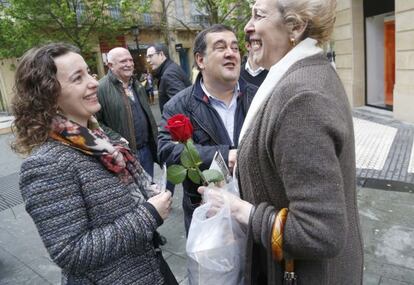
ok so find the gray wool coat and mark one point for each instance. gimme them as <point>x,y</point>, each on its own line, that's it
<point>300,154</point>
<point>90,223</point>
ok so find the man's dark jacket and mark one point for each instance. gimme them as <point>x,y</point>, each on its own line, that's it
<point>209,133</point>
<point>116,113</point>
<point>171,80</point>
<point>255,80</point>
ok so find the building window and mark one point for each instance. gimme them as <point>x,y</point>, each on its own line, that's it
<point>115,12</point>
<point>200,19</point>
<point>147,19</point>
<point>4,3</point>
<point>198,16</point>
<point>179,7</point>
<point>80,10</point>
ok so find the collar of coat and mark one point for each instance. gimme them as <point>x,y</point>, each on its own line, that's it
<point>116,81</point>
<point>161,69</point>
<point>199,92</point>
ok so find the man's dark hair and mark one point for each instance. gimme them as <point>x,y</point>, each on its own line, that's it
<point>200,42</point>
<point>159,47</point>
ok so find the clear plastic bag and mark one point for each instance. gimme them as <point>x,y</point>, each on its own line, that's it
<point>215,247</point>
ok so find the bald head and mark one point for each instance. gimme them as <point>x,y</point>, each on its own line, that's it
<point>121,64</point>
<point>113,53</point>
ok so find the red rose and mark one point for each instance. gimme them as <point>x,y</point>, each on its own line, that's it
<point>180,128</point>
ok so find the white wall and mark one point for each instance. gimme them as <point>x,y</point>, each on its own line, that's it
<point>375,59</point>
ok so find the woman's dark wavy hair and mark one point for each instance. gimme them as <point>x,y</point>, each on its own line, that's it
<point>36,91</point>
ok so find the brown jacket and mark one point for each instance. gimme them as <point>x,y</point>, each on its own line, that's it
<point>299,154</point>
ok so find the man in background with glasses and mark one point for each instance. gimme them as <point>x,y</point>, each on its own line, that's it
<point>171,77</point>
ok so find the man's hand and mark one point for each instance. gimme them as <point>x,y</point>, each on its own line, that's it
<point>232,159</point>
<point>217,198</point>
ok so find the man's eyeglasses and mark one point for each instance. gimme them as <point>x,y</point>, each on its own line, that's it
<point>149,56</point>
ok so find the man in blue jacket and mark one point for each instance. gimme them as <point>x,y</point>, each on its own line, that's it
<point>216,104</point>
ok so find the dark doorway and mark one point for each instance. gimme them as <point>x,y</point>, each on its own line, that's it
<point>183,52</point>
<point>2,104</point>
<point>140,64</point>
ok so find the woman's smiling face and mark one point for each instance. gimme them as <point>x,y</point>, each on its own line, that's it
<point>78,99</point>
<point>269,37</point>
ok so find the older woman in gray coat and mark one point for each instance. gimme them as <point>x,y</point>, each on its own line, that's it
<point>297,153</point>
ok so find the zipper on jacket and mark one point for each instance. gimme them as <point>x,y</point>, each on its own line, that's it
<point>215,140</point>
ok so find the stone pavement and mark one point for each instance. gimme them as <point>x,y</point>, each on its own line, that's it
<point>385,198</point>
<point>384,147</point>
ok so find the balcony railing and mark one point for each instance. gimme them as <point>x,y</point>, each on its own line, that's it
<point>201,20</point>
<point>144,19</point>
<point>151,19</point>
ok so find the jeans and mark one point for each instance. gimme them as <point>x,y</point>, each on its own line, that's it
<point>189,205</point>
<point>146,160</point>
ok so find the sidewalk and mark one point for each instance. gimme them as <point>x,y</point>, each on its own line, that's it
<point>384,147</point>
<point>5,123</point>
<point>385,198</point>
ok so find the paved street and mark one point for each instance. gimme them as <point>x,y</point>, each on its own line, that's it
<point>385,197</point>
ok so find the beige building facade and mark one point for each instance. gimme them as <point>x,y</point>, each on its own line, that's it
<point>7,69</point>
<point>172,22</point>
<point>374,46</point>
<point>373,42</point>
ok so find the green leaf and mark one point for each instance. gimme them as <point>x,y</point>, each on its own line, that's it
<point>195,156</point>
<point>176,174</point>
<point>186,159</point>
<point>212,175</point>
<point>194,176</point>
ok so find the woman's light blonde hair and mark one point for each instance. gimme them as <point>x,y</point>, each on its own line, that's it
<point>318,15</point>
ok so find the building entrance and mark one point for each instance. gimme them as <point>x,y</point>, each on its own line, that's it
<point>380,52</point>
<point>2,100</point>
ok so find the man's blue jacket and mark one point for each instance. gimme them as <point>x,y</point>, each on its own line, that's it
<point>209,133</point>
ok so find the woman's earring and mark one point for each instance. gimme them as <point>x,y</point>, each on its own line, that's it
<point>292,41</point>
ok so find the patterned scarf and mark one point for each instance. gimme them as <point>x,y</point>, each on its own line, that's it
<point>93,141</point>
